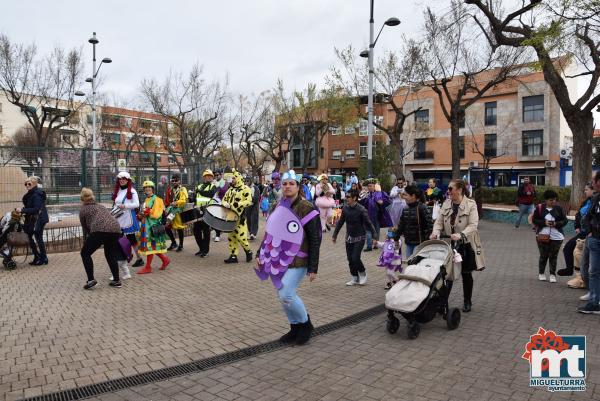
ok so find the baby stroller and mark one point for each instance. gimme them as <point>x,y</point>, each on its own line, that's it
<point>10,223</point>
<point>422,291</point>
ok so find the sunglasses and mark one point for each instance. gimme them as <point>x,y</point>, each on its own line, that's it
<point>27,184</point>
<point>174,180</point>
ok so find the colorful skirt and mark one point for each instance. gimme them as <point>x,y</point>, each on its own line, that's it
<point>150,245</point>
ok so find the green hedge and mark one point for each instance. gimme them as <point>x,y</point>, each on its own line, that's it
<point>508,195</point>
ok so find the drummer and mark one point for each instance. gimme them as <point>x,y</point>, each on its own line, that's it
<point>175,201</point>
<point>204,193</point>
<point>237,198</point>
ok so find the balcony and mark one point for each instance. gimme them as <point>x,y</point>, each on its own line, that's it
<point>423,155</point>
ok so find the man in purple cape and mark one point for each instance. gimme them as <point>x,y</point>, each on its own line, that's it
<point>376,203</point>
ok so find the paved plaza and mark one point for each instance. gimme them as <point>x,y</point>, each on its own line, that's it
<point>56,336</point>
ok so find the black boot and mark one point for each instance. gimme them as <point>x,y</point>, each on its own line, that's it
<point>138,263</point>
<point>290,336</point>
<point>172,246</point>
<point>467,307</point>
<point>304,332</point>
<point>179,249</point>
<point>565,272</point>
<point>248,256</point>
<point>232,259</point>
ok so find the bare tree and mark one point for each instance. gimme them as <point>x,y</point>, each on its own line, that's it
<point>194,110</point>
<point>460,66</point>
<point>395,75</point>
<point>552,29</point>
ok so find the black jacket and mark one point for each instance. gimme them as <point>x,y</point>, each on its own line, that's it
<point>415,230</point>
<point>591,221</point>
<point>539,219</point>
<point>34,209</point>
<point>357,221</point>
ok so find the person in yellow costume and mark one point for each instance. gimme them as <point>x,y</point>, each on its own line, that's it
<point>176,199</point>
<point>237,198</point>
<point>153,241</point>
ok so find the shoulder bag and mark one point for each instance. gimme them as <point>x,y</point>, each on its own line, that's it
<point>542,238</point>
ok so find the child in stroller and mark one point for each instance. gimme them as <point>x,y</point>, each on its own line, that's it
<point>423,289</point>
<point>10,222</point>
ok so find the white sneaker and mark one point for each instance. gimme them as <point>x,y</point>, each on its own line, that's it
<point>217,239</point>
<point>585,297</point>
<point>112,278</point>
<point>542,277</point>
<point>552,278</point>
<point>362,278</point>
<point>126,276</point>
<point>352,282</point>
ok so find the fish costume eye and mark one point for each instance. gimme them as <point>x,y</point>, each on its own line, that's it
<point>293,227</point>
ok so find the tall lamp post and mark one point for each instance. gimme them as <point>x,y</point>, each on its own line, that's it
<point>369,54</point>
<point>94,41</point>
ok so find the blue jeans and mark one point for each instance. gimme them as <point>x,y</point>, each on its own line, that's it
<point>370,235</point>
<point>410,249</point>
<point>290,301</point>
<point>524,210</point>
<point>594,270</point>
<point>584,264</point>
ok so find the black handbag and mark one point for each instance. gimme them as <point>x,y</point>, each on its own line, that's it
<point>158,230</point>
<point>467,253</point>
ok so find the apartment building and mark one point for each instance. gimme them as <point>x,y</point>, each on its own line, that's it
<point>518,127</point>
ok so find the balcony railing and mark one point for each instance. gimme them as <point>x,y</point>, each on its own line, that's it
<point>428,154</point>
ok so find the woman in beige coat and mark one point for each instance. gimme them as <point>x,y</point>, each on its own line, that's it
<point>458,219</point>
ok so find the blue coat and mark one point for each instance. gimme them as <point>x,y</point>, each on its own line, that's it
<point>34,204</point>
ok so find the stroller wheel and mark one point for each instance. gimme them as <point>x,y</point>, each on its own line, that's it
<point>392,325</point>
<point>10,265</point>
<point>413,331</point>
<point>453,318</point>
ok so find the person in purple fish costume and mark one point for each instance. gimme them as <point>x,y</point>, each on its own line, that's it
<point>289,252</point>
<point>376,202</point>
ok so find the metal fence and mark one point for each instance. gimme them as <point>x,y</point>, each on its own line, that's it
<point>64,171</point>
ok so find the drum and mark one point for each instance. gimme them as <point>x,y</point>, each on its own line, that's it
<point>220,218</point>
<point>191,215</point>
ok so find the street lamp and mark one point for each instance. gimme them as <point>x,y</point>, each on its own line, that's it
<point>94,41</point>
<point>369,54</point>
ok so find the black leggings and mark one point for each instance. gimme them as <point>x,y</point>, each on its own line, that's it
<point>172,236</point>
<point>111,250</point>
<point>568,250</point>
<point>36,242</point>
<point>467,283</point>
<point>202,236</point>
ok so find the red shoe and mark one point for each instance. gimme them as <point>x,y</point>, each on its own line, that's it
<point>165,264</point>
<point>147,269</point>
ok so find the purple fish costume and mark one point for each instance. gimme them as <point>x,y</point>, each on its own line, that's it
<point>389,259</point>
<point>284,234</point>
<point>376,211</point>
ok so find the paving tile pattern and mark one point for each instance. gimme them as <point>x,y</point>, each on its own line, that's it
<point>54,335</point>
<point>481,360</point>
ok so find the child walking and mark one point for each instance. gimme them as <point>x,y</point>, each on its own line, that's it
<point>356,218</point>
<point>389,259</point>
<point>415,222</point>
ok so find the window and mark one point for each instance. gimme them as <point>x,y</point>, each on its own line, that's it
<point>112,121</point>
<point>362,150</point>
<point>322,153</point>
<point>171,159</point>
<point>115,138</point>
<point>461,146</point>
<point>349,129</point>
<point>144,124</point>
<point>90,118</point>
<point>335,130</point>
<point>350,154</point>
<point>490,144</point>
<point>145,157</point>
<point>363,128</point>
<point>533,108</point>
<point>172,144</point>
<point>296,158</point>
<point>336,154</point>
<point>422,116</point>
<point>420,145</point>
<point>378,120</point>
<point>533,143</point>
<point>490,113</point>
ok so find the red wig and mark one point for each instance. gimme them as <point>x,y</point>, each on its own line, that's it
<point>118,187</point>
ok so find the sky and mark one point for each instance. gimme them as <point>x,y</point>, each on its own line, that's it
<point>253,42</point>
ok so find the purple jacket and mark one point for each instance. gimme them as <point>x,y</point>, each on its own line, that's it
<point>376,211</point>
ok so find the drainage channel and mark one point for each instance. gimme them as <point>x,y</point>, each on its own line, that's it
<point>110,386</point>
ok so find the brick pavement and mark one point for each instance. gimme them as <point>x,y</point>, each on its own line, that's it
<point>479,361</point>
<point>54,335</point>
